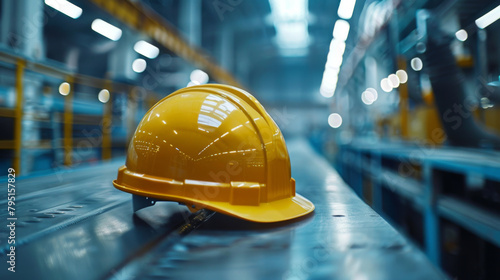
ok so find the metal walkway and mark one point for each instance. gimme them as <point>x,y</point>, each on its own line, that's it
<point>75,225</point>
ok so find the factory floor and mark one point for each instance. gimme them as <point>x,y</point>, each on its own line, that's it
<point>73,224</point>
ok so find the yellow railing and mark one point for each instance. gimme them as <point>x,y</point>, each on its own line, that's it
<point>21,65</point>
<point>135,16</point>
<point>68,122</point>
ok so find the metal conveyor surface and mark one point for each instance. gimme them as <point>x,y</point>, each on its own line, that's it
<point>75,225</point>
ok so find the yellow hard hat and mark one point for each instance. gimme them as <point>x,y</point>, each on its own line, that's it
<point>215,147</point>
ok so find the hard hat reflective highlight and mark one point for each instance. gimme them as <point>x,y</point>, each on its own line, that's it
<point>215,147</point>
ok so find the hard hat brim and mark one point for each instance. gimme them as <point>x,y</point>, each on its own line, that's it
<point>265,212</point>
<point>276,211</point>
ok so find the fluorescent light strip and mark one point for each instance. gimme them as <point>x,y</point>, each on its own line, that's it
<point>334,60</point>
<point>146,49</point>
<point>290,21</point>
<point>341,30</point>
<point>65,7</point>
<point>488,18</point>
<point>326,93</point>
<point>329,80</point>
<point>106,29</point>
<point>337,46</point>
<point>337,49</point>
<point>286,10</point>
<point>346,8</point>
<point>292,34</point>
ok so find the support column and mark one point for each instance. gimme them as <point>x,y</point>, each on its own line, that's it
<point>18,116</point>
<point>190,21</point>
<point>122,57</point>
<point>226,48</point>
<point>22,30</point>
<point>190,26</point>
<point>6,20</point>
<point>120,61</point>
<point>68,124</point>
<point>431,219</point>
<point>22,27</point>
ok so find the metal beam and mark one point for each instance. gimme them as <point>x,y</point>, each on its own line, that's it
<point>140,18</point>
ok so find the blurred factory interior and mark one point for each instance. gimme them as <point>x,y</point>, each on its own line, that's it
<point>400,97</point>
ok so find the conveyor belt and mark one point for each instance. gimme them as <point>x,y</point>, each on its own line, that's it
<point>79,227</point>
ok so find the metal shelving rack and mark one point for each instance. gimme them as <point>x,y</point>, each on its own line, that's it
<point>67,141</point>
<point>440,185</point>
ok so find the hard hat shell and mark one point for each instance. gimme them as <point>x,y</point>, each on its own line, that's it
<point>213,146</point>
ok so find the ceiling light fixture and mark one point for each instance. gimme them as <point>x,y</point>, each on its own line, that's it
<point>199,76</point>
<point>103,95</point>
<point>393,80</point>
<point>106,29</point>
<point>416,64</point>
<point>461,35</point>
<point>64,88</point>
<point>402,75</point>
<point>346,8</point>
<point>488,18</point>
<point>385,85</point>
<point>139,65</point>
<point>341,30</point>
<point>65,7</point>
<point>146,49</point>
<point>335,120</point>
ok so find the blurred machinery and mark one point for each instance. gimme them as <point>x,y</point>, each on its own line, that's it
<point>430,163</point>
